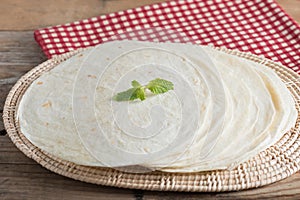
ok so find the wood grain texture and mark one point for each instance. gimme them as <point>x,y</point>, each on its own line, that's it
<point>21,177</point>
<point>292,7</point>
<point>32,14</point>
<point>18,53</point>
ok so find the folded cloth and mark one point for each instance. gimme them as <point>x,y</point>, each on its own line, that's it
<point>257,26</point>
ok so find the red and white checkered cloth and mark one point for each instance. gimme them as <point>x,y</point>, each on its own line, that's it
<point>257,26</point>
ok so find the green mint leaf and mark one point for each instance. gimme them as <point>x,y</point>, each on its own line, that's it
<point>135,84</point>
<point>140,93</point>
<point>156,86</point>
<point>159,86</point>
<point>127,95</point>
<point>131,94</point>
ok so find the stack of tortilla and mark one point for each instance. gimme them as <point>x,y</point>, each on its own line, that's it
<point>223,110</point>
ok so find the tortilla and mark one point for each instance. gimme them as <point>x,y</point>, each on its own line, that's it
<point>223,110</point>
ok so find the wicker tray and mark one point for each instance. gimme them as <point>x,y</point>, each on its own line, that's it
<point>275,163</point>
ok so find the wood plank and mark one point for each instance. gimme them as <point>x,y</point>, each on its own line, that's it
<point>18,53</point>
<point>14,157</point>
<point>10,154</point>
<point>33,14</point>
<point>292,7</point>
<point>35,182</point>
<point>17,169</point>
<point>6,145</point>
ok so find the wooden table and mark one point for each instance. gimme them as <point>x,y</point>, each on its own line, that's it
<point>21,177</point>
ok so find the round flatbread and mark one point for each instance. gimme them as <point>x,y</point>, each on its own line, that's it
<point>223,109</point>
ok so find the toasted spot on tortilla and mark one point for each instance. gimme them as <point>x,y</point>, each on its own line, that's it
<point>47,104</point>
<point>92,76</point>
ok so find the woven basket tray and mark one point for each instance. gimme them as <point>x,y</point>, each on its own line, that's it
<point>276,163</point>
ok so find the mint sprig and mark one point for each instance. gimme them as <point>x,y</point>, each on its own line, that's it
<point>138,91</point>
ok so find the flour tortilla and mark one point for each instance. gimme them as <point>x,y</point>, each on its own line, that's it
<point>223,110</point>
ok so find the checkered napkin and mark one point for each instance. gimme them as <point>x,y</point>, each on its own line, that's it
<point>257,26</point>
